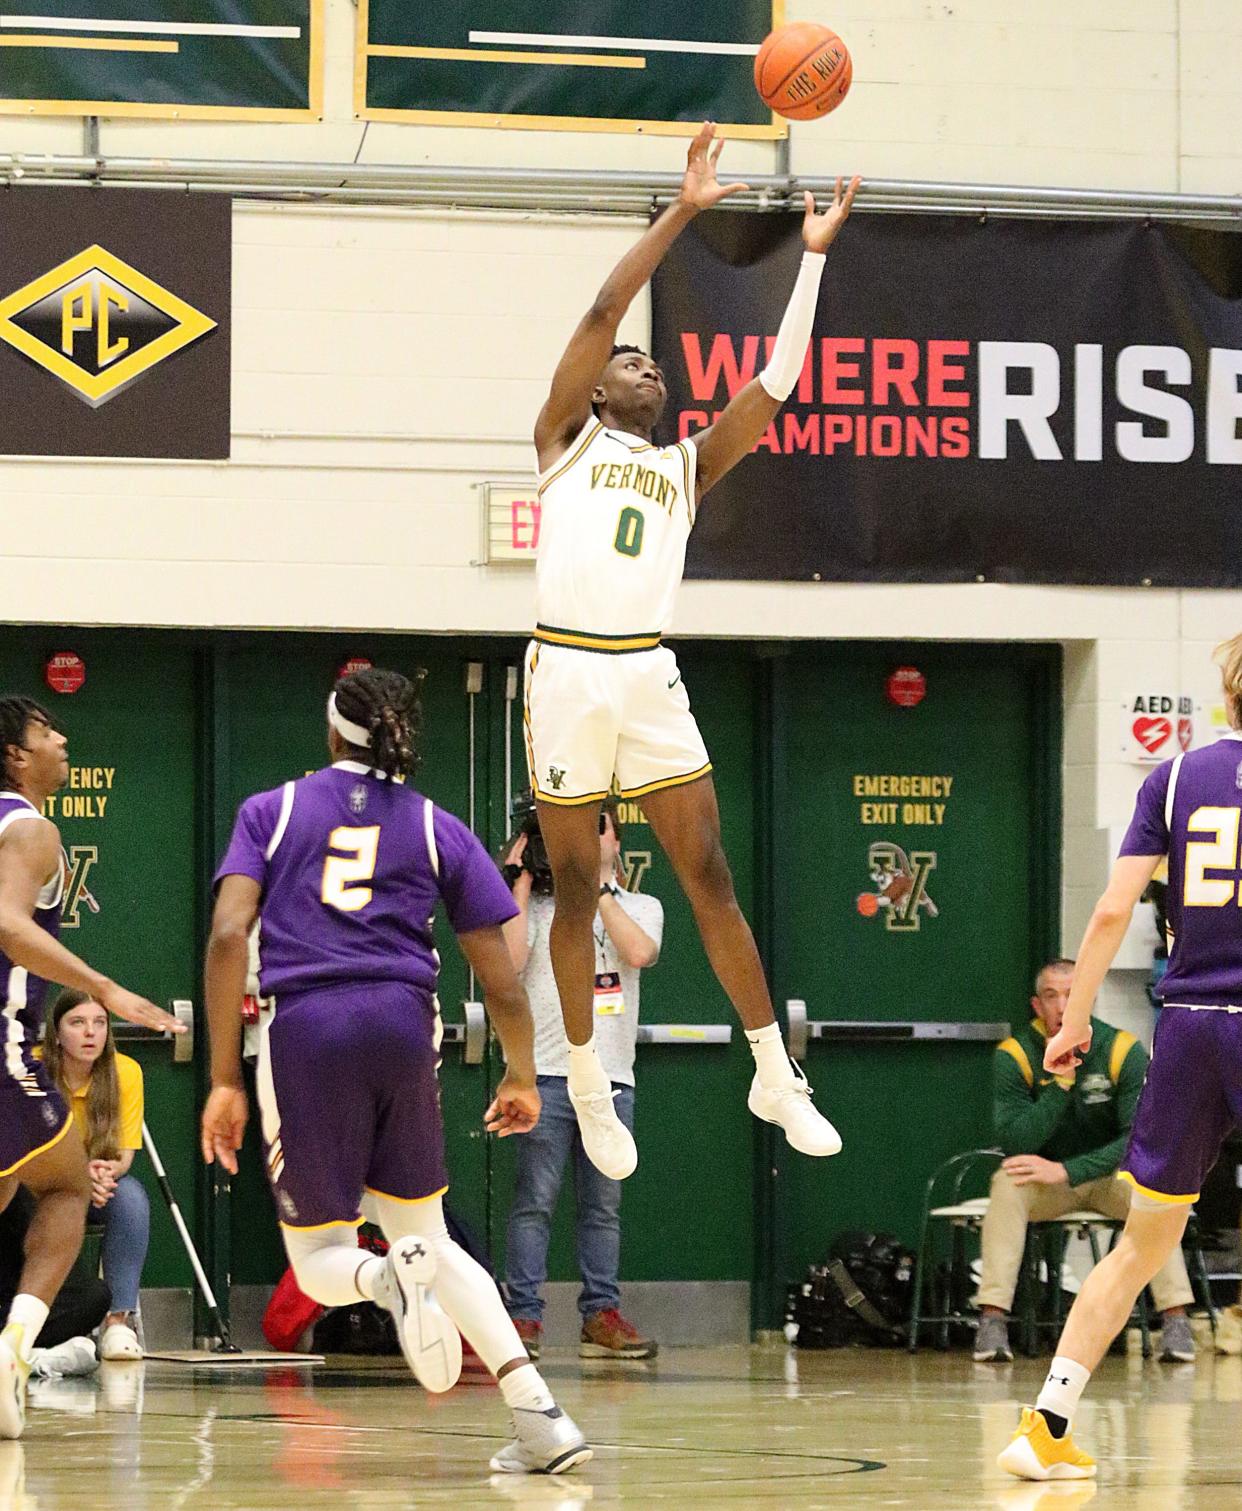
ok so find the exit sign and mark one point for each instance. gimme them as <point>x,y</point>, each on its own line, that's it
<point>511,519</point>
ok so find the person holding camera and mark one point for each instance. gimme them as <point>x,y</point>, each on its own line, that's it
<point>628,929</point>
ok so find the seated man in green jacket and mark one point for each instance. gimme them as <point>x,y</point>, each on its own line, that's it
<point>1064,1137</point>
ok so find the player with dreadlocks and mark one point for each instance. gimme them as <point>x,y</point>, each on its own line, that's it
<point>344,870</point>
<point>40,1147</point>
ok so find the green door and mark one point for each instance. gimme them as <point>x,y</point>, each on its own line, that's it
<point>915,870</point>
<point>127,822</point>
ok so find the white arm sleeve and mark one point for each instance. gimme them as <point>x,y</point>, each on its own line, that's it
<point>785,364</point>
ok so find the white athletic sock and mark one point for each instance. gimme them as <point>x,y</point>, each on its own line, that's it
<point>586,1073</point>
<point>370,1277</point>
<point>30,1314</point>
<point>773,1064</point>
<point>1065,1384</point>
<point>524,1389</point>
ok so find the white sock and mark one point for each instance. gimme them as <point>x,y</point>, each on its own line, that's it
<point>524,1389</point>
<point>1065,1384</point>
<point>30,1314</point>
<point>586,1073</point>
<point>370,1277</point>
<point>773,1064</point>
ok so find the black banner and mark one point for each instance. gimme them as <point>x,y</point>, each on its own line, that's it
<point>114,323</point>
<point>1018,401</point>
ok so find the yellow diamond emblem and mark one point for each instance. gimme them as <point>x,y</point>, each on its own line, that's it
<point>98,324</point>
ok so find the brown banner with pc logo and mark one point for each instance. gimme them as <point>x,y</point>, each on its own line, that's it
<point>1005,400</point>
<point>114,323</point>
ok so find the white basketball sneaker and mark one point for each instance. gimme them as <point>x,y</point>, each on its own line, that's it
<point>790,1107</point>
<point>609,1144</point>
<point>14,1372</point>
<point>75,1356</point>
<point>545,1442</point>
<point>429,1340</point>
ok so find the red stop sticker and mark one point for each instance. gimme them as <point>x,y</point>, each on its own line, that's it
<point>355,664</point>
<point>906,687</point>
<point>65,672</point>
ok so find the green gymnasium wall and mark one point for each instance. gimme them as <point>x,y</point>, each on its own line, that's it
<point>171,730</point>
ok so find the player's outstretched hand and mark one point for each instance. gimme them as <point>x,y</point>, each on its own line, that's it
<point>515,1109</point>
<point>135,1009</point>
<point>224,1126</point>
<point>1065,1050</point>
<point>820,231</point>
<point>699,188</point>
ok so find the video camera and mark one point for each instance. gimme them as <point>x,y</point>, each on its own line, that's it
<point>535,855</point>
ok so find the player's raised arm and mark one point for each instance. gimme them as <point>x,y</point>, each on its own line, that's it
<point>751,411</point>
<point>569,401</point>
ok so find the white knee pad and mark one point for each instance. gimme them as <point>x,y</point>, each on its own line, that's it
<point>462,1286</point>
<point>326,1262</point>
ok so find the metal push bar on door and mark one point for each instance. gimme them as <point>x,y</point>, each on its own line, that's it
<point>685,1033</point>
<point>858,1031</point>
<point>183,1044</point>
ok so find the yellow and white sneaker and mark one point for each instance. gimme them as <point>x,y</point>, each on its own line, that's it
<point>14,1372</point>
<point>1034,1454</point>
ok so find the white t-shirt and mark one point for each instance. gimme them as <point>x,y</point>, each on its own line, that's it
<point>616,989</point>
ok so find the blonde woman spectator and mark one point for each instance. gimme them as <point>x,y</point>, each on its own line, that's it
<point>104,1091</point>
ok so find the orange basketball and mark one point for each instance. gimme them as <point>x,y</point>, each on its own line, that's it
<point>803,71</point>
<point>868,904</point>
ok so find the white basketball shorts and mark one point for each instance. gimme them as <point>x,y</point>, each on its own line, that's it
<point>593,714</point>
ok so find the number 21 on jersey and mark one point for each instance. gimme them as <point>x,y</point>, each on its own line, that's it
<point>1220,853</point>
<point>345,875</point>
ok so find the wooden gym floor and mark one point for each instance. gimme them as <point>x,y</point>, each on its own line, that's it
<point>767,1427</point>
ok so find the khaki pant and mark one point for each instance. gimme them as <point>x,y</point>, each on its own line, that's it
<point>1011,1207</point>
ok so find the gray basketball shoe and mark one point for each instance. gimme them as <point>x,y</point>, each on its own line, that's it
<point>544,1442</point>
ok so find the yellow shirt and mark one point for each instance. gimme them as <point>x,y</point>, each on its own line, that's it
<point>129,1097</point>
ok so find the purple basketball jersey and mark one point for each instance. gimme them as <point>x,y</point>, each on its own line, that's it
<point>21,994</point>
<point>1190,809</point>
<point>352,867</point>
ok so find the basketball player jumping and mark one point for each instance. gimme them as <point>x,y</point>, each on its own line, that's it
<point>40,1147</point>
<point>1190,810</point>
<point>345,868</point>
<point>603,696</point>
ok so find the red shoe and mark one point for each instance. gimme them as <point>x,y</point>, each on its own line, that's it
<point>607,1335</point>
<point>531,1334</point>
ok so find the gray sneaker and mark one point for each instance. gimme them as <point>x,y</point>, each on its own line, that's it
<point>992,1340</point>
<point>1177,1343</point>
<point>544,1442</point>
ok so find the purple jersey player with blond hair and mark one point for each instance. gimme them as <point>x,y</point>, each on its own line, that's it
<point>345,869</point>
<point>40,1147</point>
<point>1190,811</point>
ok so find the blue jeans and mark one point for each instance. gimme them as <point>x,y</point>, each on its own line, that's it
<point>542,1156</point>
<point>126,1222</point>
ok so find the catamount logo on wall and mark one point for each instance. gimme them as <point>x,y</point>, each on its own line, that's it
<point>114,324</point>
<point>900,881</point>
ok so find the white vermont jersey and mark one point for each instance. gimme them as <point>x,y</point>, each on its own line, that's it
<point>616,514</point>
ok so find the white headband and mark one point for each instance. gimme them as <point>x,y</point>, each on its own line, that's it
<point>346,728</point>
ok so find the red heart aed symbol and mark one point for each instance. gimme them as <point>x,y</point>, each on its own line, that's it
<point>1185,732</point>
<point>1151,733</point>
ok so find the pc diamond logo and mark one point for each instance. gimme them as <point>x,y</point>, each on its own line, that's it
<point>98,324</point>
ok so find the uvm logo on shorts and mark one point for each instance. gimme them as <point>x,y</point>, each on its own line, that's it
<point>98,324</point>
<point>556,777</point>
